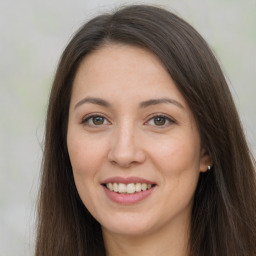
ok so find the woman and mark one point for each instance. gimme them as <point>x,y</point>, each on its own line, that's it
<point>144,151</point>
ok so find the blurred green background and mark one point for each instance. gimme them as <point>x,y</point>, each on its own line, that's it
<point>34,33</point>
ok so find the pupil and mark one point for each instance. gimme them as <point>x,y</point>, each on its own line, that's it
<point>98,120</point>
<point>159,120</point>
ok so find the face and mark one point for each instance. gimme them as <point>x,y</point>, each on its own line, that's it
<point>133,142</point>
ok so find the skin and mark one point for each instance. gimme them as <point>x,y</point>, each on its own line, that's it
<point>129,141</point>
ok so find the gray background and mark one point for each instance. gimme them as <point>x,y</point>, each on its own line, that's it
<point>33,35</point>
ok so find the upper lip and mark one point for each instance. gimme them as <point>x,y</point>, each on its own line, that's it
<point>127,180</point>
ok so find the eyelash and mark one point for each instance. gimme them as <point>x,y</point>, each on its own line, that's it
<point>167,120</point>
<point>86,120</point>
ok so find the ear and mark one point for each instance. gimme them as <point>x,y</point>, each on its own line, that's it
<point>205,161</point>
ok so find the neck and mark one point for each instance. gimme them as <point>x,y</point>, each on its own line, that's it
<point>168,242</point>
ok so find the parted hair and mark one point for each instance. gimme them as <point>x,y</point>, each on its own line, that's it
<point>223,221</point>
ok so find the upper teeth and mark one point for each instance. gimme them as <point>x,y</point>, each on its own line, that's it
<point>129,188</point>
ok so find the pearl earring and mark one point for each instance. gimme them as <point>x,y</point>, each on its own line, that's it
<point>209,167</point>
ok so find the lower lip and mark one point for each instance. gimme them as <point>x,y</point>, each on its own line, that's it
<point>128,198</point>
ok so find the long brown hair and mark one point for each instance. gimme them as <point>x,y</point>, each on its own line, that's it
<point>223,221</point>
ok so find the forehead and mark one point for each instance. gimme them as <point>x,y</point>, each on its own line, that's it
<point>120,59</point>
<point>124,71</point>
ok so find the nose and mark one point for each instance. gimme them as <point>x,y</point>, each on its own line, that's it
<point>126,148</point>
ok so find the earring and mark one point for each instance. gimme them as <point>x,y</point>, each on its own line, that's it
<point>209,167</point>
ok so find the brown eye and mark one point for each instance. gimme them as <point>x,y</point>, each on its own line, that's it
<point>98,120</point>
<point>159,120</point>
<point>95,120</point>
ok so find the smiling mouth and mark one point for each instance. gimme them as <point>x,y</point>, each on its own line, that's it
<point>130,188</point>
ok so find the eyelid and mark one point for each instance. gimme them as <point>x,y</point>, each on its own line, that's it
<point>170,120</point>
<point>167,117</point>
<point>91,115</point>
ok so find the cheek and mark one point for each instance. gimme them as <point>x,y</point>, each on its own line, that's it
<point>178,162</point>
<point>175,155</point>
<point>84,154</point>
<point>85,161</point>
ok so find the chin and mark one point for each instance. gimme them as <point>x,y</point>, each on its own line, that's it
<point>130,225</point>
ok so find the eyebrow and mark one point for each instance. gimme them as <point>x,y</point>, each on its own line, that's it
<point>144,104</point>
<point>96,101</point>
<point>151,102</point>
